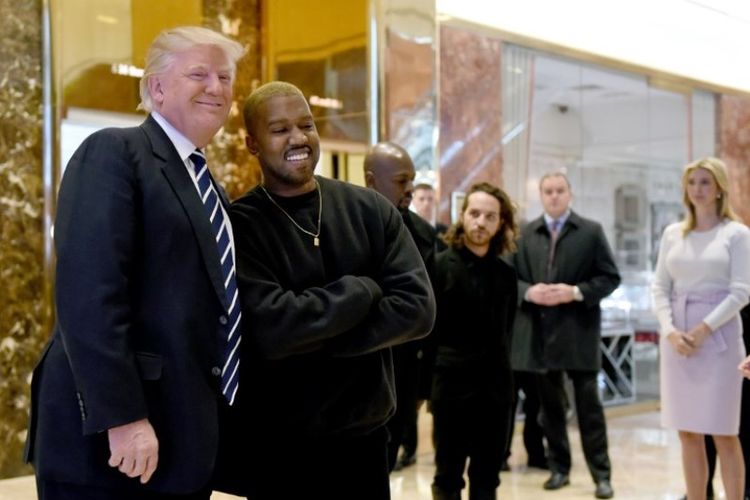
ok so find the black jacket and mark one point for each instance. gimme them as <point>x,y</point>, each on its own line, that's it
<point>565,336</point>
<point>476,300</point>
<point>420,353</point>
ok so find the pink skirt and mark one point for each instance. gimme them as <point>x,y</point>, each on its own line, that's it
<point>701,393</point>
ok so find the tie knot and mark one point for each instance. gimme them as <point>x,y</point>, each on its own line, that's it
<point>555,226</point>
<point>198,159</point>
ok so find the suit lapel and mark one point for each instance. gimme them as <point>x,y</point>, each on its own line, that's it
<point>176,174</point>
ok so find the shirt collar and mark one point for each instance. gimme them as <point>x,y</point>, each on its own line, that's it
<point>181,143</point>
<point>562,219</point>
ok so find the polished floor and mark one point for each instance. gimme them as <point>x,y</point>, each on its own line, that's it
<point>645,458</point>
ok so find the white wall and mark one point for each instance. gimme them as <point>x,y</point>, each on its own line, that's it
<point>705,40</point>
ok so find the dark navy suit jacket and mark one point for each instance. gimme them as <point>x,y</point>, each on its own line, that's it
<point>140,302</point>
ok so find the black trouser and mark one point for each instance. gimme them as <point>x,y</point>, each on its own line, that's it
<point>54,490</point>
<point>475,429</point>
<point>591,423</point>
<point>334,468</point>
<point>533,436</point>
<point>406,375</point>
<point>744,440</point>
<point>409,439</point>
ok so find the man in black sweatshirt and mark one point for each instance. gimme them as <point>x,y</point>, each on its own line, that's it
<point>330,281</point>
<point>390,171</point>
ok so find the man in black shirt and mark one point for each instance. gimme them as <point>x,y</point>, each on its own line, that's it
<point>472,381</point>
<point>390,171</point>
<point>330,281</point>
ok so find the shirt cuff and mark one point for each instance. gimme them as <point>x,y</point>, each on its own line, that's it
<point>577,295</point>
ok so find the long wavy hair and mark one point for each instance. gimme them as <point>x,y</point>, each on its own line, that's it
<point>504,240</point>
<point>718,171</point>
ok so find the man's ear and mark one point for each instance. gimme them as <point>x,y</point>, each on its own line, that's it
<point>369,179</point>
<point>251,144</point>
<point>155,89</point>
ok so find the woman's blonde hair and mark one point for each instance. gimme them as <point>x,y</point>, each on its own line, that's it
<point>718,171</point>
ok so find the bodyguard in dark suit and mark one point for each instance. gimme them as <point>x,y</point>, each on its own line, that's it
<point>127,393</point>
<point>390,171</point>
<point>565,268</point>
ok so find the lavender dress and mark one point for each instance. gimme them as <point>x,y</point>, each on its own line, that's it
<point>704,276</point>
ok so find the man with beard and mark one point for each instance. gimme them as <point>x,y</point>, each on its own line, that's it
<point>565,268</point>
<point>331,280</point>
<point>476,293</point>
<point>389,170</point>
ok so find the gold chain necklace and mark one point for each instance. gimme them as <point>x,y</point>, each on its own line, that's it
<point>316,235</point>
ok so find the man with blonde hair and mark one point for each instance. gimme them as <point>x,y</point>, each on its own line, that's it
<point>126,397</point>
<point>333,281</point>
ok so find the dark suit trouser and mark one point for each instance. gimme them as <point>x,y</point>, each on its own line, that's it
<point>476,429</point>
<point>406,375</point>
<point>53,490</point>
<point>744,437</point>
<point>331,468</point>
<point>410,436</point>
<point>533,435</point>
<point>591,423</point>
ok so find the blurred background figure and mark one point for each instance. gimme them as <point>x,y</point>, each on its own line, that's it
<point>424,202</point>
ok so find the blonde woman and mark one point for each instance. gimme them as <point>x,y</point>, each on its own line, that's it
<point>701,282</point>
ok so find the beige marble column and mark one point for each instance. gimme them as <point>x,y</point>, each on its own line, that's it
<point>230,162</point>
<point>734,149</point>
<point>23,305</point>
<point>470,145</point>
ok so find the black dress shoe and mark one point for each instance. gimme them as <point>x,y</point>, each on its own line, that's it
<point>556,481</point>
<point>405,460</point>
<point>604,489</point>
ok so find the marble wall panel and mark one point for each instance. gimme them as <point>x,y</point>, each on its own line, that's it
<point>230,162</point>
<point>470,147</point>
<point>734,149</point>
<point>24,310</point>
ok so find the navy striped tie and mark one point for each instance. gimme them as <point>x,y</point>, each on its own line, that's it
<point>230,371</point>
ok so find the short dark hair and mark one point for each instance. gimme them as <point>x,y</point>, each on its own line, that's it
<point>504,240</point>
<point>554,174</point>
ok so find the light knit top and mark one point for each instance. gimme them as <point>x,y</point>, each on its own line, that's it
<point>717,260</point>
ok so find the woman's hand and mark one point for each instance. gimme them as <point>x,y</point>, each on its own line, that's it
<point>744,367</point>
<point>698,334</point>
<point>681,343</point>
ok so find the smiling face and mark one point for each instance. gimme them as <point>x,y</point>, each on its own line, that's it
<point>702,190</point>
<point>194,94</point>
<point>284,138</point>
